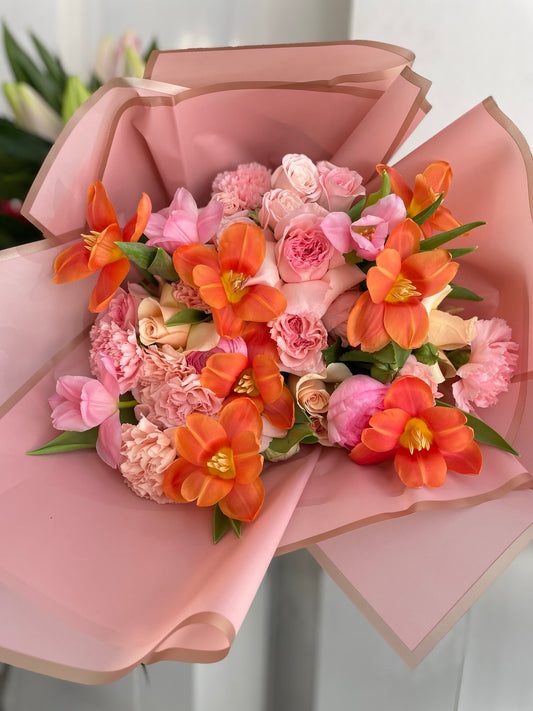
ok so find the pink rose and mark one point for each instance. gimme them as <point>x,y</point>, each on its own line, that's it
<point>340,186</point>
<point>277,204</point>
<point>297,172</point>
<point>336,317</point>
<point>300,341</point>
<point>303,251</point>
<point>146,453</point>
<point>351,406</point>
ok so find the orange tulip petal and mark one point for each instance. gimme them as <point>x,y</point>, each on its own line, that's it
<point>438,176</point>
<point>212,489</point>
<point>72,264</point>
<point>241,249</point>
<point>244,501</point>
<point>448,427</point>
<point>100,211</point>
<point>200,439</point>
<point>110,278</point>
<point>188,256</point>
<point>104,250</point>
<point>175,475</point>
<point>398,184</point>
<point>221,371</point>
<point>365,325</point>
<point>259,341</point>
<point>241,415</point>
<point>410,394</point>
<point>361,454</point>
<point>210,286</point>
<point>137,223</point>
<point>466,461</point>
<point>443,220</point>
<point>280,413</point>
<point>407,323</point>
<point>248,462</point>
<point>227,323</point>
<point>430,271</point>
<point>423,196</point>
<point>380,279</point>
<point>261,303</point>
<point>422,467</point>
<point>405,238</point>
<point>385,429</point>
<point>267,377</point>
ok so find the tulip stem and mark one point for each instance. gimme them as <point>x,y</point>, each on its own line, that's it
<point>124,404</point>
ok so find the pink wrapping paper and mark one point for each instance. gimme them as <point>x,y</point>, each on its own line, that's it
<point>81,603</point>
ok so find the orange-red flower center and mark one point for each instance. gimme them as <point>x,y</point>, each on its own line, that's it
<point>416,435</point>
<point>403,289</point>
<point>246,384</point>
<point>221,464</point>
<point>234,285</point>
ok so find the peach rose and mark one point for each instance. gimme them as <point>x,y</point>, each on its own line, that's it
<point>153,314</point>
<point>277,204</point>
<point>297,172</point>
<point>340,186</point>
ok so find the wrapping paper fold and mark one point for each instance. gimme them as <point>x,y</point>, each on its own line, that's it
<point>83,559</point>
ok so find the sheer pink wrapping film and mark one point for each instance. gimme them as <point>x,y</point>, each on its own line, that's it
<point>94,580</point>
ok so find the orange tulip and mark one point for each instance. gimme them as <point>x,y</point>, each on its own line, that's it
<point>425,441</point>
<point>221,278</point>
<point>392,307</point>
<point>429,184</point>
<point>98,250</point>
<point>219,461</point>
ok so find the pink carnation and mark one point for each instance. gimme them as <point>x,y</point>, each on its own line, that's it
<point>188,295</point>
<point>162,364</point>
<point>145,454</point>
<point>351,406</point>
<point>120,346</point>
<point>300,341</point>
<point>424,372</point>
<point>246,185</point>
<point>491,366</point>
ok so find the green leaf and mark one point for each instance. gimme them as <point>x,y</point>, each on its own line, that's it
<point>162,265</point>
<point>298,434</point>
<point>458,357</point>
<point>69,441</point>
<point>51,62</point>
<point>461,292</point>
<point>140,254</point>
<point>188,316</point>
<point>357,357</point>
<point>382,192</point>
<point>74,95</point>
<point>443,237</point>
<point>222,523</point>
<point>400,355</point>
<point>483,433</point>
<point>426,214</point>
<point>16,143</point>
<point>427,354</point>
<point>460,252</point>
<point>354,213</point>
<point>237,526</point>
<point>333,352</point>
<point>300,416</point>
<point>352,257</point>
<point>151,48</point>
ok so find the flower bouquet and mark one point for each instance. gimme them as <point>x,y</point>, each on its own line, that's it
<point>278,297</point>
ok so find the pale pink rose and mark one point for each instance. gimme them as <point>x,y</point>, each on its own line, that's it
<point>336,317</point>
<point>430,374</point>
<point>168,404</point>
<point>183,223</point>
<point>247,184</point>
<point>300,340</point>
<point>297,172</point>
<point>351,406</point>
<point>122,309</point>
<point>277,204</point>
<point>230,201</point>
<point>340,186</point>
<point>146,453</point>
<point>189,297</point>
<point>120,345</point>
<point>367,235</point>
<point>492,363</point>
<point>303,251</point>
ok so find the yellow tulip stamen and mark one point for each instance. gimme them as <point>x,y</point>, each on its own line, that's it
<point>402,290</point>
<point>416,435</point>
<point>246,384</point>
<point>90,240</point>
<point>367,232</point>
<point>234,285</point>
<point>221,464</point>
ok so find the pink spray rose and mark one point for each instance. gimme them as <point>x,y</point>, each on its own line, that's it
<point>146,453</point>
<point>298,173</point>
<point>492,363</point>
<point>340,186</point>
<point>300,340</point>
<point>351,406</point>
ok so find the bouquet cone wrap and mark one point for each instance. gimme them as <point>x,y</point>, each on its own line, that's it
<point>94,580</point>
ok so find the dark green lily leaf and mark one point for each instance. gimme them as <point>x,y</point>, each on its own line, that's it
<point>428,212</point>
<point>461,252</point>
<point>483,433</point>
<point>21,145</point>
<point>443,237</point>
<point>188,316</point>
<point>461,292</point>
<point>382,192</point>
<point>162,265</point>
<point>51,62</point>
<point>69,441</point>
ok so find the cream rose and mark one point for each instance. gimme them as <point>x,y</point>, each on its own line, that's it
<point>277,204</point>
<point>153,314</point>
<point>447,332</point>
<point>297,172</point>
